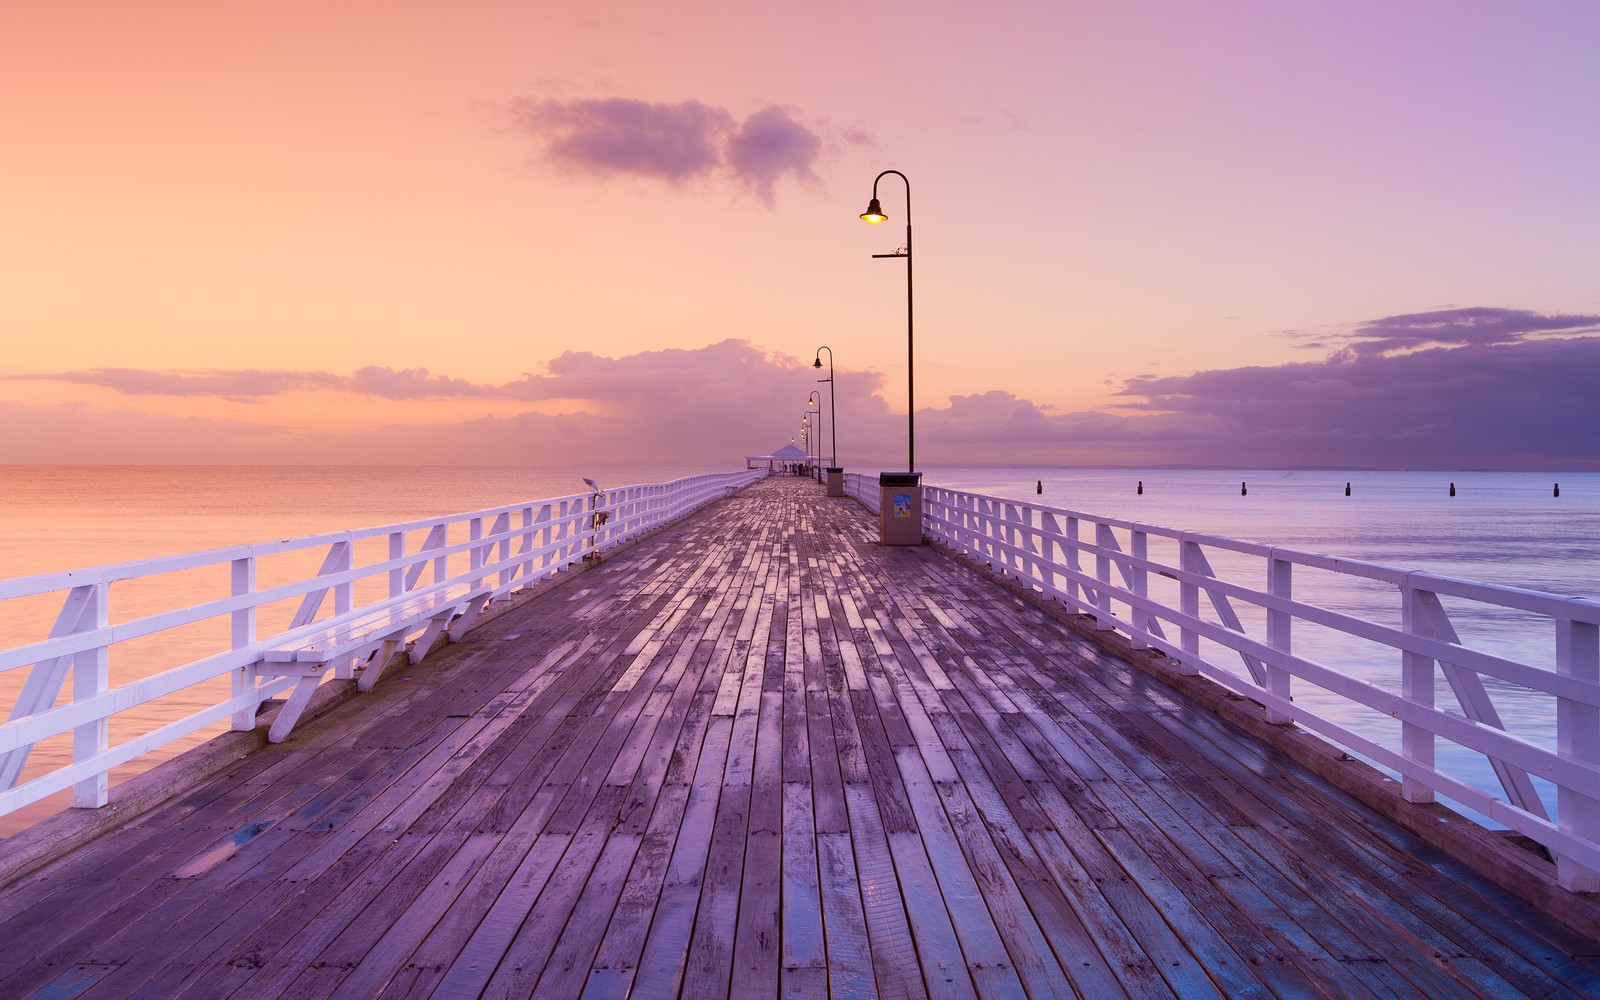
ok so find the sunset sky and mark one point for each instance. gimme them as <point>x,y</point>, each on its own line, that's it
<point>1249,232</point>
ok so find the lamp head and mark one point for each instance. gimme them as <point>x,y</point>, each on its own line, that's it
<point>817,363</point>
<point>874,213</point>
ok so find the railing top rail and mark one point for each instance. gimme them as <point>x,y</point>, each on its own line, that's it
<point>56,580</point>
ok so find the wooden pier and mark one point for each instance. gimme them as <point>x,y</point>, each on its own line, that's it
<point>756,754</point>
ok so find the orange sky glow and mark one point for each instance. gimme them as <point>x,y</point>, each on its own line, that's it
<point>537,233</point>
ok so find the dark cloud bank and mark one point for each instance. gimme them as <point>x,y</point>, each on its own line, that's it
<point>1453,389</point>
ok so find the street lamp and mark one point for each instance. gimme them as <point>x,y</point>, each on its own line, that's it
<point>833,403</point>
<point>815,399</point>
<point>805,436</point>
<point>900,494</point>
<point>874,215</point>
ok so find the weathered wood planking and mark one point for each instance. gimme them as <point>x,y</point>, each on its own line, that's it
<point>755,754</point>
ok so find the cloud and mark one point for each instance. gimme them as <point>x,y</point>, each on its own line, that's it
<point>1479,325</point>
<point>620,135</point>
<point>1503,395</point>
<point>709,406</point>
<point>76,433</point>
<point>770,144</point>
<point>414,383</point>
<point>671,142</point>
<point>1522,395</point>
<point>253,385</point>
<point>245,385</point>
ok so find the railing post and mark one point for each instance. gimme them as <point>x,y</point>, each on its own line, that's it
<point>502,527</point>
<point>1074,563</point>
<point>545,537</point>
<point>1139,583</point>
<point>1190,561</point>
<point>437,539</point>
<point>1280,625</point>
<point>337,560</point>
<point>474,550</point>
<point>244,634</point>
<point>1577,737</point>
<point>1416,686</point>
<point>525,542</point>
<point>45,681</point>
<point>1010,516</point>
<point>91,675</point>
<point>1031,528</point>
<point>344,600</point>
<point>1105,541</point>
<point>441,564</point>
<point>397,551</point>
<point>1052,551</point>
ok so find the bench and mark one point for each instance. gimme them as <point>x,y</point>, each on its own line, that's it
<point>374,633</point>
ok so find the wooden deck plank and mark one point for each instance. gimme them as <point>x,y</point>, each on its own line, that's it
<point>1393,885</point>
<point>803,944</point>
<point>757,938</point>
<point>759,754</point>
<point>885,905</point>
<point>848,952</point>
<point>661,963</point>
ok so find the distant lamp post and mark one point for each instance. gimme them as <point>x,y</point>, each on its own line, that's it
<point>805,436</point>
<point>900,494</point>
<point>874,215</point>
<point>833,404</point>
<point>815,399</point>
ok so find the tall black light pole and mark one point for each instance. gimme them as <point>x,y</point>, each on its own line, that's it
<point>815,399</point>
<point>874,214</point>
<point>833,403</point>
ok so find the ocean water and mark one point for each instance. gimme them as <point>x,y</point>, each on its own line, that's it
<point>1503,528</point>
<point>55,518</point>
<point>1506,528</point>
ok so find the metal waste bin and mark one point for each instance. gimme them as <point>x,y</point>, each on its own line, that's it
<point>835,481</point>
<point>900,508</point>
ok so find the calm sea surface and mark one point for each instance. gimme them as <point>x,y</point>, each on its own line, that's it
<point>1504,528</point>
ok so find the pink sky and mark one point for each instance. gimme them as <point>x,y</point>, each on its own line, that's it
<point>1240,233</point>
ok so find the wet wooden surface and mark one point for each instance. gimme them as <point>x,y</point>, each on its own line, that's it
<point>756,754</point>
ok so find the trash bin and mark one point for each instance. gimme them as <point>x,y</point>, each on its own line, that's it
<point>835,481</point>
<point>900,508</point>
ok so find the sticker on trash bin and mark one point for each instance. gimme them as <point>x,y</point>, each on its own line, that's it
<point>902,505</point>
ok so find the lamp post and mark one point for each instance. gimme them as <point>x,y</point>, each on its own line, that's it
<point>815,399</point>
<point>833,403</point>
<point>900,494</point>
<point>805,436</point>
<point>874,215</point>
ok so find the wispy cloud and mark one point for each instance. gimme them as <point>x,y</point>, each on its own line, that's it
<point>671,142</point>
<point>243,386</point>
<point>1479,325</point>
<point>253,385</point>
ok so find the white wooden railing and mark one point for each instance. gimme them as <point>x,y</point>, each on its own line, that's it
<point>864,488</point>
<point>1355,651</point>
<point>205,655</point>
